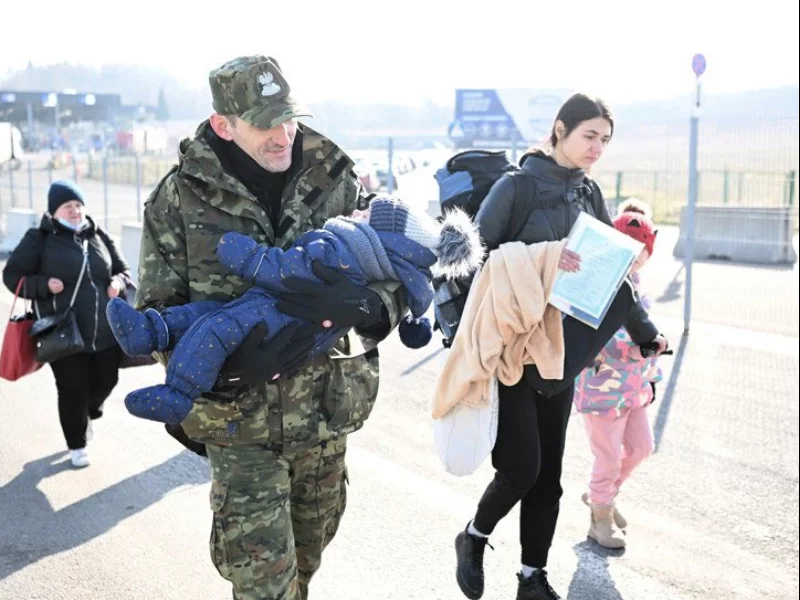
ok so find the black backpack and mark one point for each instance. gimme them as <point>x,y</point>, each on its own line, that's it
<point>467,177</point>
<point>464,181</point>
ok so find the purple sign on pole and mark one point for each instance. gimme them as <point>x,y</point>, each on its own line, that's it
<point>699,64</point>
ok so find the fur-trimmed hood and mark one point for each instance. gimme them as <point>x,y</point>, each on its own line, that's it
<point>460,251</point>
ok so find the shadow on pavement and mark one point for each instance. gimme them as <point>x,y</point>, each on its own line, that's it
<point>32,530</point>
<point>591,580</point>
<point>673,290</point>
<point>665,401</point>
<point>422,361</point>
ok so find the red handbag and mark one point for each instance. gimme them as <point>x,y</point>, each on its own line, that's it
<point>18,354</point>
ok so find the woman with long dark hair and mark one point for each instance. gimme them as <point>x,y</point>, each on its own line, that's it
<point>532,427</point>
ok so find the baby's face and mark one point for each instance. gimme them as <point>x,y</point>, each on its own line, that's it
<point>360,215</point>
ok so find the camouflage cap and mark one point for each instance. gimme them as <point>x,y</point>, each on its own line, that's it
<point>254,89</point>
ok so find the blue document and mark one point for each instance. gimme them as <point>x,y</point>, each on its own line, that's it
<point>606,257</point>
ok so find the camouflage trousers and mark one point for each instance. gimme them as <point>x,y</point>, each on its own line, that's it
<point>274,514</point>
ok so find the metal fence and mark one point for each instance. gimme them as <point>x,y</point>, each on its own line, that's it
<point>743,163</point>
<point>666,191</point>
<point>116,187</point>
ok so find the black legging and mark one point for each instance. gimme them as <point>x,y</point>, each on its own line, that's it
<point>531,432</point>
<point>84,381</point>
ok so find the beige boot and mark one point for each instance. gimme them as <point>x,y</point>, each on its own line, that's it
<point>620,521</point>
<point>603,529</point>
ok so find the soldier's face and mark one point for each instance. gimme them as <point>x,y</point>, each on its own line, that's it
<point>270,148</point>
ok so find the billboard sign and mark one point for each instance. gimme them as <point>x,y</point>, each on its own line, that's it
<point>488,118</point>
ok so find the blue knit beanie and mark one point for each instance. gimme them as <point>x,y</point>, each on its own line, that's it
<point>61,192</point>
<point>394,216</point>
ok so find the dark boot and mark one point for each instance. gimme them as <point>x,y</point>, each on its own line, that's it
<point>535,587</point>
<point>469,573</point>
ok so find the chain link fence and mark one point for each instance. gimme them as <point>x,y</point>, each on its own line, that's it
<point>747,168</point>
<point>742,163</point>
<point>115,186</point>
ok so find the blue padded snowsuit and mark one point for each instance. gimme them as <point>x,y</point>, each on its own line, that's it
<point>205,334</point>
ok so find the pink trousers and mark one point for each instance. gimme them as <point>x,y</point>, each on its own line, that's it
<point>619,444</point>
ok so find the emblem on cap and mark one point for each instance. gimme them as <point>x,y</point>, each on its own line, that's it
<point>268,85</point>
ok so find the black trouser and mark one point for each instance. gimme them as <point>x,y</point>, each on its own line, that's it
<point>527,455</point>
<point>583,343</point>
<point>84,381</point>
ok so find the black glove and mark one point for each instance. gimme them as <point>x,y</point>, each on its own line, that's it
<point>651,349</point>
<point>256,360</point>
<point>653,387</point>
<point>179,434</point>
<point>338,302</point>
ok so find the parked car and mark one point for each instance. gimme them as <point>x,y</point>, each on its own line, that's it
<point>383,177</point>
<point>368,176</point>
<point>404,164</point>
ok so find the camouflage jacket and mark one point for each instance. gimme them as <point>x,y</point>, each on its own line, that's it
<point>617,381</point>
<point>184,218</point>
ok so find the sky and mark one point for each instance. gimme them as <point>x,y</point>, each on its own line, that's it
<point>413,51</point>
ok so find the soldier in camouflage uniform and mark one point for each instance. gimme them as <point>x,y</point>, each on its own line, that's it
<point>277,449</point>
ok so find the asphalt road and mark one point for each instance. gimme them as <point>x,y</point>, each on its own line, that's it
<point>714,514</point>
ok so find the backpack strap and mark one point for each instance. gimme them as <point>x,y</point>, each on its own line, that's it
<point>595,194</point>
<point>524,203</point>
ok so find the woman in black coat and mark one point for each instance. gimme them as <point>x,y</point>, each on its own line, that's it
<point>50,258</point>
<point>532,426</point>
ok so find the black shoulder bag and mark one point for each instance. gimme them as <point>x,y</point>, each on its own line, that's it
<point>58,336</point>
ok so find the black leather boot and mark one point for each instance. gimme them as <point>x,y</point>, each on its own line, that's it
<point>469,573</point>
<point>535,587</point>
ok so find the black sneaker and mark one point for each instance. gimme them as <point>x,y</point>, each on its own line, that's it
<point>535,587</point>
<point>469,573</point>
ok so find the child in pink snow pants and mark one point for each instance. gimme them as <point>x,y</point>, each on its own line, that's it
<point>613,395</point>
